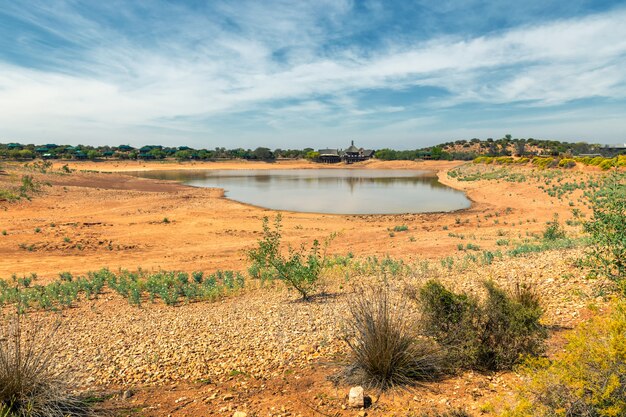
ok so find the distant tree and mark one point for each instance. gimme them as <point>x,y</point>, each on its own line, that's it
<point>25,154</point>
<point>183,155</point>
<point>312,155</point>
<point>263,154</point>
<point>438,153</point>
<point>157,153</point>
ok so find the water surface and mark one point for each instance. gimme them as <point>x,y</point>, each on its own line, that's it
<point>338,191</point>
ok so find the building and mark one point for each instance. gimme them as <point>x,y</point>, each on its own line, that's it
<point>349,155</point>
<point>613,150</point>
<point>329,156</point>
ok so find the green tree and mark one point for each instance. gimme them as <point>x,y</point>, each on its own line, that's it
<point>263,154</point>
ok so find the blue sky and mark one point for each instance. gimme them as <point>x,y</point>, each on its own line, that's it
<point>397,74</point>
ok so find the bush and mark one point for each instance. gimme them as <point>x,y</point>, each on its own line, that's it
<point>607,253</point>
<point>299,270</point>
<point>587,379</point>
<point>29,386</point>
<point>384,352</point>
<point>451,320</point>
<point>491,335</point>
<point>554,230</point>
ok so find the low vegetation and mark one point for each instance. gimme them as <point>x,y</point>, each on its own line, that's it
<point>171,287</point>
<point>602,162</point>
<point>587,379</point>
<point>488,335</point>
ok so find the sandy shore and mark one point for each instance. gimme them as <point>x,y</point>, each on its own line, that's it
<point>88,220</point>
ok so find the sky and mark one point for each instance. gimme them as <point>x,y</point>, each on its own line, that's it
<point>292,74</point>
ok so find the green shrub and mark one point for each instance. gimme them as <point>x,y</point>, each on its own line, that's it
<point>299,269</point>
<point>554,230</point>
<point>383,350</point>
<point>544,162</point>
<point>607,254</point>
<point>567,163</point>
<point>587,379</point>
<point>491,335</point>
<point>606,164</point>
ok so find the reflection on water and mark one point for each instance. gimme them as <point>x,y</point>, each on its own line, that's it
<point>340,191</point>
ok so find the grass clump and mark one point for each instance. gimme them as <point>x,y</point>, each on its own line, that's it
<point>29,384</point>
<point>587,379</point>
<point>384,352</point>
<point>488,335</point>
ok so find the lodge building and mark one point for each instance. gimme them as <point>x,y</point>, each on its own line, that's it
<point>350,155</point>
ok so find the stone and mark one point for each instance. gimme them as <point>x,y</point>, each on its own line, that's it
<point>356,398</point>
<point>240,414</point>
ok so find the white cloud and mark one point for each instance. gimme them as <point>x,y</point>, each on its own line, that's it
<point>208,70</point>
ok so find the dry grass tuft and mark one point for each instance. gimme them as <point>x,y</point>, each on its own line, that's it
<point>29,384</point>
<point>385,353</point>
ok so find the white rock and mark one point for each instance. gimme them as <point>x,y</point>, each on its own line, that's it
<point>355,398</point>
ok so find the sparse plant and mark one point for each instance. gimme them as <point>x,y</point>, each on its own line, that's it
<point>299,269</point>
<point>554,230</point>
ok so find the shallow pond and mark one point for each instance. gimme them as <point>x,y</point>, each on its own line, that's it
<point>338,191</point>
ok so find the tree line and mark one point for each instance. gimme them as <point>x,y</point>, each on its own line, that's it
<point>454,150</point>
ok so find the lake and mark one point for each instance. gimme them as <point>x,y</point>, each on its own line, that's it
<point>336,191</point>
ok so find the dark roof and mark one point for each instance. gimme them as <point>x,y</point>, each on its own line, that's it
<point>368,152</point>
<point>352,149</point>
<point>329,152</point>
